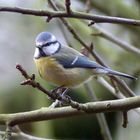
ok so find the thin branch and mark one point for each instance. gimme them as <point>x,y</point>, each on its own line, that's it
<point>19,134</point>
<point>88,6</point>
<point>74,33</point>
<point>8,132</point>
<point>30,80</point>
<point>110,37</point>
<point>121,84</point>
<point>123,87</point>
<point>105,84</point>
<point>25,136</point>
<point>125,119</point>
<point>49,114</point>
<point>73,14</point>
<point>22,136</point>
<point>68,3</point>
<point>100,117</point>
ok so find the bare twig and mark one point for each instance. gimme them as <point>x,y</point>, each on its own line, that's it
<point>125,119</point>
<point>74,14</point>
<point>8,132</point>
<point>30,80</point>
<point>104,83</point>
<point>18,134</point>
<point>121,84</point>
<point>100,117</point>
<point>68,3</point>
<point>88,6</point>
<point>73,32</point>
<point>122,44</point>
<point>49,114</point>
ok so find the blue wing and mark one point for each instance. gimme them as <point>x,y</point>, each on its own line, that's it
<point>79,61</point>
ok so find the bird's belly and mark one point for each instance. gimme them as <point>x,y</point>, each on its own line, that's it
<point>54,73</point>
<point>67,77</point>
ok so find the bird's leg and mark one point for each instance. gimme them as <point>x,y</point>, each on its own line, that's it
<point>57,102</point>
<point>57,89</point>
<point>64,93</point>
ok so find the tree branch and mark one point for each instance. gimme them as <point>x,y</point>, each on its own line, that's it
<point>125,119</point>
<point>110,37</point>
<point>73,14</point>
<point>49,114</point>
<point>68,3</point>
<point>16,133</point>
<point>124,88</point>
<point>100,117</point>
<point>30,80</point>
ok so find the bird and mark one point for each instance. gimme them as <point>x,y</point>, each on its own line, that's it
<point>62,65</point>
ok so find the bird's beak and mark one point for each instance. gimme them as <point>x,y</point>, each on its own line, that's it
<point>38,46</point>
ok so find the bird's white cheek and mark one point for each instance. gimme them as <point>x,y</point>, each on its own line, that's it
<point>51,49</point>
<point>37,53</point>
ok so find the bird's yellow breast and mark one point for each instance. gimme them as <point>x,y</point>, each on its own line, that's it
<point>50,70</point>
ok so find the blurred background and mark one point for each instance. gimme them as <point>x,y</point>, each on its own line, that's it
<point>17,35</point>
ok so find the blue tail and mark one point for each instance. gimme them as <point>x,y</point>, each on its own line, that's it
<point>112,72</point>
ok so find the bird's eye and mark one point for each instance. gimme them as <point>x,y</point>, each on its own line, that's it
<point>47,44</point>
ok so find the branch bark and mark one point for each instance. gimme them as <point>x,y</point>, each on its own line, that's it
<point>50,114</point>
<point>112,38</point>
<point>72,14</point>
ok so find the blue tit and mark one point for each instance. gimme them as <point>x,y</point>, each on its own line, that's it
<point>64,66</point>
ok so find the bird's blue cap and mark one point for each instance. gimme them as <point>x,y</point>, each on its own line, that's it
<point>44,37</point>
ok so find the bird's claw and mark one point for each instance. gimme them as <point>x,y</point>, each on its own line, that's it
<point>57,89</point>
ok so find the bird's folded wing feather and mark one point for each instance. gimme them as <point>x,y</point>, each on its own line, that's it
<point>79,61</point>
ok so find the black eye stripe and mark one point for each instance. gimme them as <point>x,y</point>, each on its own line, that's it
<point>41,52</point>
<point>49,43</point>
